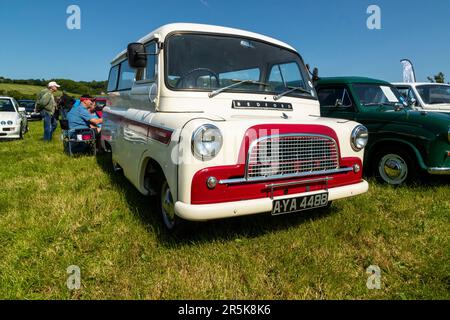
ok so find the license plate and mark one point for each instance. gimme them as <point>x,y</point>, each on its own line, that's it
<point>314,201</point>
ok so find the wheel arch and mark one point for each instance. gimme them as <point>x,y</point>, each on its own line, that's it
<point>407,146</point>
<point>151,174</point>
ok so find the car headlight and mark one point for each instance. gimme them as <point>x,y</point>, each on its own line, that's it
<point>3,123</point>
<point>359,138</point>
<point>10,123</point>
<point>206,142</point>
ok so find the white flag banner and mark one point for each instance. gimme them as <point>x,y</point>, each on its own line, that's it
<point>408,71</point>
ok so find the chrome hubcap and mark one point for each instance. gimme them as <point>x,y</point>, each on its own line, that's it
<point>167,206</point>
<point>393,169</point>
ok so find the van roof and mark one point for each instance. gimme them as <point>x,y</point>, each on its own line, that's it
<point>350,80</point>
<point>419,84</point>
<point>165,30</point>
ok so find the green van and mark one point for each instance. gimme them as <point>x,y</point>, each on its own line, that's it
<point>402,142</point>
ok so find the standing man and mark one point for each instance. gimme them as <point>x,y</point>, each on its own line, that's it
<point>46,105</point>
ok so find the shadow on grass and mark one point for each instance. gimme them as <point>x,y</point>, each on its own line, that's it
<point>226,229</point>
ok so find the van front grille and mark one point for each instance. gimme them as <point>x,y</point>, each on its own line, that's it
<point>292,154</point>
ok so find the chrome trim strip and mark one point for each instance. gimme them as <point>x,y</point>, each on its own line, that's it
<point>255,142</point>
<point>280,177</point>
<point>439,171</point>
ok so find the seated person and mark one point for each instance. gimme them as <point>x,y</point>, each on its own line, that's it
<point>79,116</point>
<point>76,103</point>
<point>93,111</point>
<point>99,108</point>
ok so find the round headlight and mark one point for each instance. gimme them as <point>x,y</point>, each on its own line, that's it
<point>206,142</point>
<point>360,137</point>
<point>3,123</point>
<point>10,123</point>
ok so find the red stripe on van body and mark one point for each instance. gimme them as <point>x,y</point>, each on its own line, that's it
<point>153,132</point>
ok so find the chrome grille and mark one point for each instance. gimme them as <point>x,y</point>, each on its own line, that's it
<point>287,155</point>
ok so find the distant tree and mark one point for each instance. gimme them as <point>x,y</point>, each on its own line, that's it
<point>76,87</point>
<point>439,78</point>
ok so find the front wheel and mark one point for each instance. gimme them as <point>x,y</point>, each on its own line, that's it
<point>166,205</point>
<point>394,167</point>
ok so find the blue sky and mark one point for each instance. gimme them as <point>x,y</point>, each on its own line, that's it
<point>330,34</point>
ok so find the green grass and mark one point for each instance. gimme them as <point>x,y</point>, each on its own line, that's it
<point>57,211</point>
<point>28,89</point>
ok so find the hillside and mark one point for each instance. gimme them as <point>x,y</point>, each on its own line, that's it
<point>23,91</point>
<point>27,89</point>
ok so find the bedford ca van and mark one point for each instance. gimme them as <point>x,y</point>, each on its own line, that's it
<point>218,123</point>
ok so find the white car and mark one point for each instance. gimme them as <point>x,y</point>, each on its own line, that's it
<point>221,123</point>
<point>13,121</point>
<point>426,96</point>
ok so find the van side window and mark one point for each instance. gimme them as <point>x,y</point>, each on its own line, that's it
<point>328,97</point>
<point>151,62</point>
<point>126,76</point>
<point>407,93</point>
<point>113,77</point>
<point>285,75</point>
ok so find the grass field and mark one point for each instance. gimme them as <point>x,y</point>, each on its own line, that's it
<point>28,89</point>
<point>57,211</point>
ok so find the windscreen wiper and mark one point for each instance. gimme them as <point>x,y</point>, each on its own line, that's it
<point>291,89</point>
<point>237,84</point>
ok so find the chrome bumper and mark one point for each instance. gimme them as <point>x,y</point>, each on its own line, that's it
<point>286,176</point>
<point>439,171</point>
<point>205,212</point>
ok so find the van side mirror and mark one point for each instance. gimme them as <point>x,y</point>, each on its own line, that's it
<point>137,57</point>
<point>413,102</point>
<point>315,75</point>
<point>338,103</point>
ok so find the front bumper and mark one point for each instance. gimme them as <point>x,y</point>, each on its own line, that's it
<point>206,212</point>
<point>439,171</point>
<point>9,132</point>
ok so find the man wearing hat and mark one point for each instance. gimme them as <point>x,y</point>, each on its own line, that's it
<point>79,116</point>
<point>46,105</point>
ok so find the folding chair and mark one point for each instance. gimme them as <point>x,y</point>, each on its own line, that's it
<point>77,140</point>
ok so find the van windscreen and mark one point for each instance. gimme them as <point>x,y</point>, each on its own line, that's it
<point>209,62</point>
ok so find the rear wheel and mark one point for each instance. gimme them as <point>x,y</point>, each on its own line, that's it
<point>394,166</point>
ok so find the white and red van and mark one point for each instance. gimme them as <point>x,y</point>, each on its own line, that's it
<point>220,123</point>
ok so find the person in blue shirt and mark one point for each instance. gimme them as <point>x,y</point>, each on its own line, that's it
<point>77,103</point>
<point>79,116</point>
<point>92,111</point>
